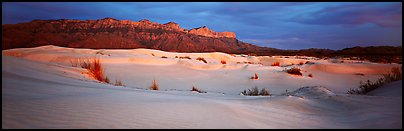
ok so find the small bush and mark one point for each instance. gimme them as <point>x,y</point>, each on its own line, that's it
<point>176,56</point>
<point>118,83</point>
<point>201,59</point>
<point>359,74</point>
<point>394,75</point>
<point>223,61</point>
<point>152,54</point>
<point>310,75</point>
<point>256,92</point>
<point>294,71</point>
<point>276,64</point>
<point>164,57</point>
<point>185,57</point>
<point>301,63</point>
<point>255,77</point>
<point>95,69</point>
<point>154,85</point>
<point>197,90</point>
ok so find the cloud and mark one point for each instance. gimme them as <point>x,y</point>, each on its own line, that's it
<point>381,14</point>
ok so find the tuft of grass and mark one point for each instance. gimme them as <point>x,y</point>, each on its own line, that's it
<point>394,75</point>
<point>154,85</point>
<point>164,57</point>
<point>197,90</point>
<point>256,92</point>
<point>201,59</point>
<point>223,61</point>
<point>295,71</point>
<point>276,64</point>
<point>94,68</point>
<point>255,77</point>
<point>310,75</point>
<point>185,57</point>
<point>118,83</point>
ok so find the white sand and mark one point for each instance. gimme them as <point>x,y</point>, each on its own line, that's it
<point>42,90</point>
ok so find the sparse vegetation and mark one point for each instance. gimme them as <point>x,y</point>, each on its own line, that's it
<point>256,92</point>
<point>359,74</point>
<point>310,75</point>
<point>223,61</point>
<point>152,54</point>
<point>276,64</point>
<point>201,59</point>
<point>94,68</point>
<point>164,57</point>
<point>118,83</point>
<point>154,85</point>
<point>301,63</point>
<point>295,71</point>
<point>255,77</point>
<point>394,75</point>
<point>197,90</point>
<point>185,57</point>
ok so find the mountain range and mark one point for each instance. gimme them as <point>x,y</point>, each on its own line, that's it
<point>110,33</point>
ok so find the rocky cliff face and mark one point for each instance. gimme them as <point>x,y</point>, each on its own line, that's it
<point>111,33</point>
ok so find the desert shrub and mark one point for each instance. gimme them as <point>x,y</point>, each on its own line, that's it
<point>154,85</point>
<point>223,61</point>
<point>185,57</point>
<point>310,75</point>
<point>256,92</point>
<point>164,57</point>
<point>95,69</point>
<point>152,54</point>
<point>276,64</point>
<point>394,75</point>
<point>359,74</point>
<point>197,90</point>
<point>176,56</point>
<point>255,77</point>
<point>294,71</point>
<point>118,83</point>
<point>75,62</point>
<point>301,63</point>
<point>201,59</point>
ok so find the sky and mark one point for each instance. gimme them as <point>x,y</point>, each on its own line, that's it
<point>282,25</point>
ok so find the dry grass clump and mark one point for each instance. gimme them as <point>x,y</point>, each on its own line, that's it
<point>94,68</point>
<point>164,57</point>
<point>394,75</point>
<point>256,92</point>
<point>185,57</point>
<point>118,83</point>
<point>201,59</point>
<point>197,90</point>
<point>154,85</point>
<point>223,61</point>
<point>255,77</point>
<point>310,75</point>
<point>295,71</point>
<point>359,74</point>
<point>276,64</point>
